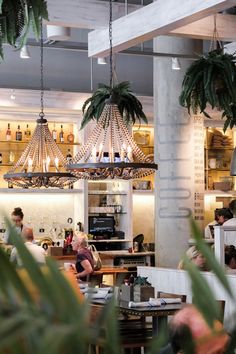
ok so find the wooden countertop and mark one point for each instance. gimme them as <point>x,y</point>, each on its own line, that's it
<point>109,254</point>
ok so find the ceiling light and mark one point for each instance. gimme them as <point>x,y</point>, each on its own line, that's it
<point>58,33</point>
<point>24,53</point>
<point>13,96</point>
<point>42,163</point>
<point>175,64</point>
<point>102,61</point>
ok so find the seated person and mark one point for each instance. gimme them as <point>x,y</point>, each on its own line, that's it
<point>84,259</point>
<point>221,216</point>
<point>206,340</point>
<point>232,208</point>
<point>230,258</point>
<point>37,251</point>
<point>196,257</point>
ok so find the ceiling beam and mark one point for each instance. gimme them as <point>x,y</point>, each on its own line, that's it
<point>90,14</point>
<point>203,29</point>
<point>158,18</point>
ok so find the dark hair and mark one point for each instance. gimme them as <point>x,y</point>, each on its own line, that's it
<point>225,212</point>
<point>18,212</point>
<point>230,253</point>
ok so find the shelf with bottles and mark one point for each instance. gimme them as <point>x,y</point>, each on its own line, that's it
<point>218,152</point>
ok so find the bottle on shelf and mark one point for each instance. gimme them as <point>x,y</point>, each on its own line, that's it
<point>8,132</point>
<point>61,135</point>
<point>70,138</point>
<point>27,133</point>
<point>68,157</point>
<point>18,134</point>
<point>54,133</point>
<point>0,158</point>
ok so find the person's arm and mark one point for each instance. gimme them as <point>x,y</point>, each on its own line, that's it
<point>87,269</point>
<point>13,255</point>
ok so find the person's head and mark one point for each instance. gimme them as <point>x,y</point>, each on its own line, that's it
<point>230,256</point>
<point>80,240</point>
<point>27,234</point>
<point>223,215</point>
<point>196,257</point>
<point>206,340</point>
<point>17,216</point>
<point>232,207</point>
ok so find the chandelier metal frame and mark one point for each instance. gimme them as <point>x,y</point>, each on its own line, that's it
<point>125,159</point>
<point>42,163</point>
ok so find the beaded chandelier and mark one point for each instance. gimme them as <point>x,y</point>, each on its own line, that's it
<point>41,164</point>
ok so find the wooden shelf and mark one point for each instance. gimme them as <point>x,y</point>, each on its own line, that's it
<point>26,142</point>
<point>219,148</point>
<point>40,191</point>
<point>105,193</point>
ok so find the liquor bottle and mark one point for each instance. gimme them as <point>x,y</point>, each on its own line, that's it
<point>70,138</point>
<point>18,134</point>
<point>61,135</point>
<point>0,158</point>
<point>69,157</point>
<point>8,132</point>
<point>27,133</point>
<point>54,133</point>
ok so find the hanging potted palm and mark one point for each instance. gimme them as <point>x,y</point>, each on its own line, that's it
<point>129,106</point>
<point>211,80</point>
<point>16,19</point>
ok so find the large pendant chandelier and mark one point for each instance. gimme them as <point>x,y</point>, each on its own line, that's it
<point>111,152</point>
<point>42,163</point>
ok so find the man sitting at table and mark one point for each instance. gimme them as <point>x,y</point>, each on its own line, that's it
<point>37,251</point>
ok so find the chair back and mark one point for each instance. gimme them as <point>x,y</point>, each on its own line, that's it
<point>161,294</point>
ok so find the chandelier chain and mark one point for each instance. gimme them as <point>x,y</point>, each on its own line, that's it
<point>110,40</point>
<point>41,70</point>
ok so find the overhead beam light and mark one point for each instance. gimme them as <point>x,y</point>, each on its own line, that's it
<point>102,61</point>
<point>24,53</point>
<point>175,64</point>
<point>58,33</point>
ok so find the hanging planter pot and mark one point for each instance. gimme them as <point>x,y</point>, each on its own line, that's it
<point>211,80</point>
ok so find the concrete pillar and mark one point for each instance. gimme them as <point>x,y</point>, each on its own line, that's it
<point>177,137</point>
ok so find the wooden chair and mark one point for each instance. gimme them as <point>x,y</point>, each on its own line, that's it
<point>161,294</point>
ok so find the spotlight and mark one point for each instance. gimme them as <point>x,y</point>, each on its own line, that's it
<point>102,61</point>
<point>175,65</point>
<point>24,53</point>
<point>58,33</point>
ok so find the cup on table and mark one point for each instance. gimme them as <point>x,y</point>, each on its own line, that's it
<point>67,266</point>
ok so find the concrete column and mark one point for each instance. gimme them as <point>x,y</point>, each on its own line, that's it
<point>175,147</point>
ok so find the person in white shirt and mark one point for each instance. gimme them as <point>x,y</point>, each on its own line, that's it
<point>37,252</point>
<point>221,217</point>
<point>232,208</point>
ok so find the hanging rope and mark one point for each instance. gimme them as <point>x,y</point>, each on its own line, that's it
<point>215,41</point>
<point>110,40</point>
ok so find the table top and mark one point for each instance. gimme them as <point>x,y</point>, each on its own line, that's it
<point>163,310</point>
<point>152,311</point>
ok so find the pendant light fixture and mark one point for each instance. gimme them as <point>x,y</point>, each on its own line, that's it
<point>110,151</point>
<point>42,163</point>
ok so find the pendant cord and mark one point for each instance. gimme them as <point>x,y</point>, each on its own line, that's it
<point>110,40</point>
<point>41,114</point>
<point>215,41</point>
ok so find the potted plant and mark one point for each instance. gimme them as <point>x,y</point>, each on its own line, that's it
<point>211,80</point>
<point>129,106</point>
<point>16,19</point>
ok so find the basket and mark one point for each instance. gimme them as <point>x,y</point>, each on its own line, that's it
<point>223,186</point>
